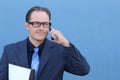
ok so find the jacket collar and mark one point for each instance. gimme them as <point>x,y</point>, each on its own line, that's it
<point>22,53</point>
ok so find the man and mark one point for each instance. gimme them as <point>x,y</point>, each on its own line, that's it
<point>55,56</point>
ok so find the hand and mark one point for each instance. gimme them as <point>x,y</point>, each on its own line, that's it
<point>59,38</point>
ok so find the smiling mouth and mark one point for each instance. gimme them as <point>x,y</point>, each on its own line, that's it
<point>40,33</point>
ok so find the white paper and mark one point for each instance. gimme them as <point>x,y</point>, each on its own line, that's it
<point>18,72</point>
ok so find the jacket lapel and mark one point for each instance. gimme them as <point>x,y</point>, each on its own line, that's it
<point>44,55</point>
<point>22,53</point>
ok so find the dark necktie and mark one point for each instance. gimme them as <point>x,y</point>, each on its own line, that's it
<point>35,62</point>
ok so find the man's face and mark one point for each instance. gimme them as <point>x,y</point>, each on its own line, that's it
<point>39,33</point>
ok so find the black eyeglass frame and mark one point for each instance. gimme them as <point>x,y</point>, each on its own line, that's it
<point>41,23</point>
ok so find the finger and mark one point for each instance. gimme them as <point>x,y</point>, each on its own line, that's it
<point>55,36</point>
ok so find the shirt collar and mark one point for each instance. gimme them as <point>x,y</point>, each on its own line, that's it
<point>31,46</point>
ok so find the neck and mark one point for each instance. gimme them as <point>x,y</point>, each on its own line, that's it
<point>36,43</point>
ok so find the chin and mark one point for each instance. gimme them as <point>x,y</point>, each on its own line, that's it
<point>40,39</point>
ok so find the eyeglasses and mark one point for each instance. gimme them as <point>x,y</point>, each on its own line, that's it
<point>38,24</point>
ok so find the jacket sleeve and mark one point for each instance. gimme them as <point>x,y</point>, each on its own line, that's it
<point>75,63</point>
<point>3,66</point>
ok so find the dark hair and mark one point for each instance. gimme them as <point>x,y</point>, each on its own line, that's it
<point>37,8</point>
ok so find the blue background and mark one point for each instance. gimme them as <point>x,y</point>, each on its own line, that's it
<point>93,26</point>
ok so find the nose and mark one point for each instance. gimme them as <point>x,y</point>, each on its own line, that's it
<point>41,25</point>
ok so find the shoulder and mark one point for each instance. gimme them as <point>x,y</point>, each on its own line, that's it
<point>15,44</point>
<point>53,44</point>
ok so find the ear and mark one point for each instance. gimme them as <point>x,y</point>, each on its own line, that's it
<point>27,26</point>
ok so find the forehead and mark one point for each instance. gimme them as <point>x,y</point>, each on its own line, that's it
<point>39,16</point>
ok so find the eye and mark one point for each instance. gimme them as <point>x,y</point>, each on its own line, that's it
<point>36,23</point>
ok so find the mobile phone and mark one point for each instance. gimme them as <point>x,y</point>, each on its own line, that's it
<point>55,36</point>
<point>50,30</point>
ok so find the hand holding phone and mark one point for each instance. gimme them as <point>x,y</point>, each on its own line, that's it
<point>58,37</point>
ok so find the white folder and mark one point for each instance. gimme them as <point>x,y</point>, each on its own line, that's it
<point>20,73</point>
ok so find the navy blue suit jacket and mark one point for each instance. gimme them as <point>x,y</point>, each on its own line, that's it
<point>55,59</point>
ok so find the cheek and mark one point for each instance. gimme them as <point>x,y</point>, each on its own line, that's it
<point>31,31</point>
<point>47,30</point>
